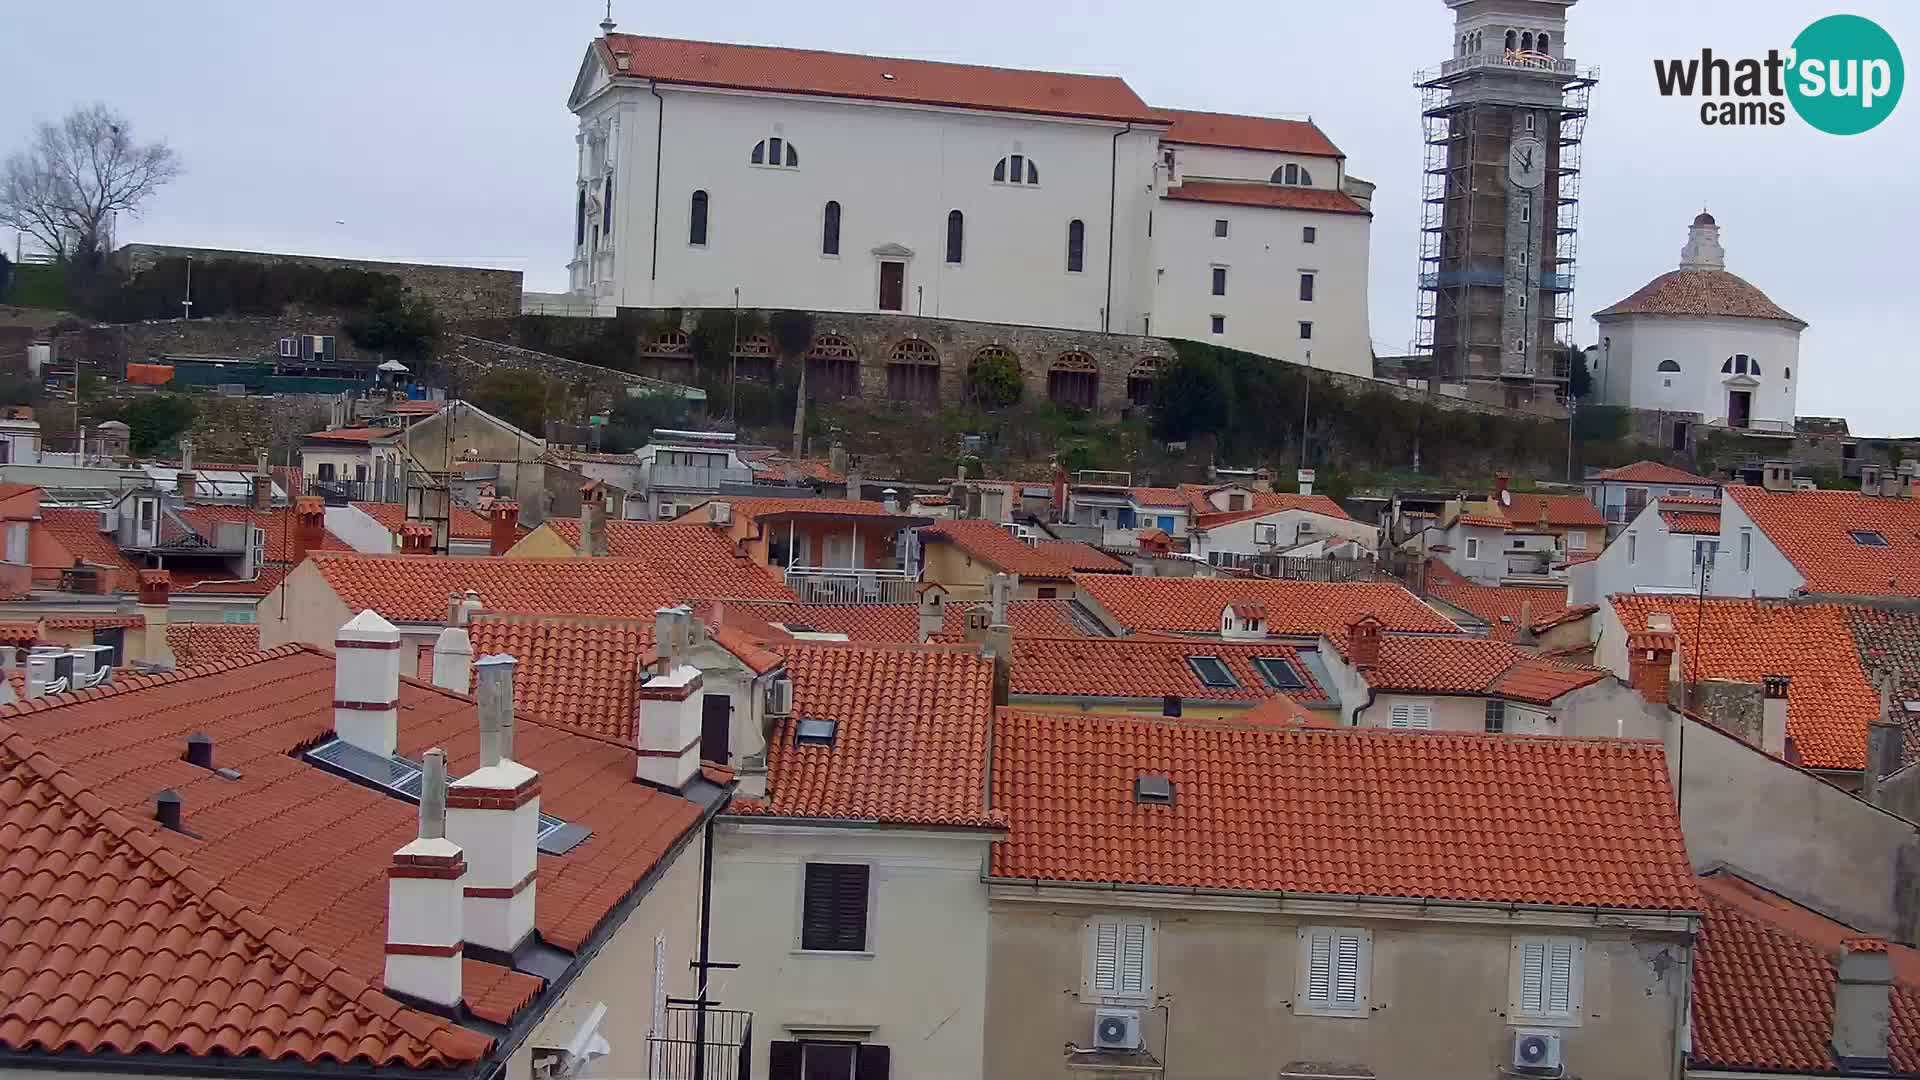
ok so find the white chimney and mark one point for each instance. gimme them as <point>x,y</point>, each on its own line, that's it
<point>1773,714</point>
<point>425,883</point>
<point>933,614</point>
<point>493,813</point>
<point>366,683</point>
<point>469,604</point>
<point>453,660</point>
<point>669,706</point>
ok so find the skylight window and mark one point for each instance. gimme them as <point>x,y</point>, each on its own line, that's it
<point>1278,673</point>
<point>1868,538</point>
<point>400,777</point>
<point>1212,672</point>
<point>1152,788</point>
<point>815,731</point>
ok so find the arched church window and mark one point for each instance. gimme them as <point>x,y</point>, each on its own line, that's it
<point>1526,41</point>
<point>1293,176</point>
<point>697,220</point>
<point>1540,44</point>
<point>1076,245</point>
<point>1016,169</point>
<point>1513,39</point>
<point>1669,366</point>
<point>956,235</point>
<point>776,152</point>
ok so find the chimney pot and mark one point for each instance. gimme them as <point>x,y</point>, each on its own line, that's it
<point>453,659</point>
<point>184,482</point>
<point>1773,714</point>
<point>670,705</point>
<point>200,749</point>
<point>167,810</point>
<point>502,516</point>
<point>309,526</point>
<point>493,682</point>
<point>1363,643</point>
<point>1650,664</point>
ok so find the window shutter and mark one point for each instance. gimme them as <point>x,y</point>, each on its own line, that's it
<point>1559,978</point>
<point>835,907</point>
<point>874,1062</point>
<point>1133,958</point>
<point>1533,976</point>
<point>1412,716</point>
<point>1346,969</point>
<point>1320,967</point>
<point>1106,958</point>
<point>850,908</point>
<point>783,1061</point>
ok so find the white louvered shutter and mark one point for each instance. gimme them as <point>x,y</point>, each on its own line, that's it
<point>1133,958</point>
<point>1559,992</point>
<point>1106,958</point>
<point>1402,716</point>
<point>1412,716</point>
<point>1346,969</point>
<point>1320,967</point>
<point>1533,976</point>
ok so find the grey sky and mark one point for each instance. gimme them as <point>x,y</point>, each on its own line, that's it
<point>439,131</point>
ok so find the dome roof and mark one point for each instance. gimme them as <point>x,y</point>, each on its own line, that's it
<point>1704,218</point>
<point>1701,292</point>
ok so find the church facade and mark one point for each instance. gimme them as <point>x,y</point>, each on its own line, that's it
<point>713,175</point>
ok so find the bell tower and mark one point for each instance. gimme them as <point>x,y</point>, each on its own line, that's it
<point>1503,121</point>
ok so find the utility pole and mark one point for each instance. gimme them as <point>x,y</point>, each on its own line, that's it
<point>186,303</point>
<point>1572,404</point>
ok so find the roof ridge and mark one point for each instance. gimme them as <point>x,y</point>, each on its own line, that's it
<point>869,56</point>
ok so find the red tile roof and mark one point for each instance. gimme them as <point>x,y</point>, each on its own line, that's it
<point>1830,702</point>
<point>1345,812</point>
<point>577,672</point>
<point>1499,606</point>
<point>1027,618</point>
<point>1477,666</point>
<point>1147,668</point>
<point>1254,193</point>
<point>325,886</point>
<point>1561,510</point>
<point>352,434</point>
<point>1691,522</point>
<point>78,531</point>
<point>1651,472</point>
<point>1763,984</point>
<point>1889,642</point>
<point>462,523</point>
<point>94,622</point>
<point>896,623</point>
<point>1714,293</point>
<point>414,588</point>
<point>205,520</point>
<point>120,943</point>
<point>1811,529</point>
<point>755,507</point>
<point>1281,711</point>
<point>197,644</point>
<point>1157,496</point>
<point>1049,560</point>
<point>911,741</point>
<point>19,633</point>
<point>874,78</point>
<point>1295,608</point>
<point>1248,133</point>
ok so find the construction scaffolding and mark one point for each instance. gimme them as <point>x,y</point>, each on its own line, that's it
<point>1471,324</point>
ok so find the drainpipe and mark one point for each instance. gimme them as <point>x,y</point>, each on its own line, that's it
<point>706,925</point>
<point>659,148</point>
<point>1113,202</point>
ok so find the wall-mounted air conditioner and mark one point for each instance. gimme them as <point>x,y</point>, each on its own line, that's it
<point>1116,1029</point>
<point>1536,1051</point>
<point>720,513</point>
<point>780,697</point>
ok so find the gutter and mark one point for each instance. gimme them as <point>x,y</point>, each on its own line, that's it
<point>659,149</point>
<point>1113,202</point>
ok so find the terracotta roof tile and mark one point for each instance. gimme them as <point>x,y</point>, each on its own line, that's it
<point>1048,560</point>
<point>1248,133</point>
<point>1811,529</point>
<point>19,633</point>
<point>462,523</point>
<point>1561,510</point>
<point>1888,642</point>
<point>1691,522</point>
<point>1157,496</point>
<point>876,78</point>
<point>1254,193</point>
<point>1499,606</point>
<point>1700,292</point>
<point>1281,711</point>
<point>755,507</point>
<point>1259,503</point>
<point>1295,608</point>
<point>1346,812</point>
<point>352,435</point>
<point>896,623</point>
<point>1148,668</point>
<point>910,742</point>
<point>1029,618</point>
<point>78,531</point>
<point>1464,665</point>
<point>1763,984</point>
<point>1830,701</point>
<point>1651,472</point>
<point>94,622</point>
<point>195,644</point>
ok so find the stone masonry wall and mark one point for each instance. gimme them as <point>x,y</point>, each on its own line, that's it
<point>472,357</point>
<point>456,292</point>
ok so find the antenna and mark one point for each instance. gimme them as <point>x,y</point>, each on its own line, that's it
<point>606,24</point>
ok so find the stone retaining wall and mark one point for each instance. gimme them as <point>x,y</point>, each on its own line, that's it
<point>456,292</point>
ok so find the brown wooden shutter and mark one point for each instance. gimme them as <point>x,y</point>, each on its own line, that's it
<point>874,1062</point>
<point>783,1061</point>
<point>835,902</point>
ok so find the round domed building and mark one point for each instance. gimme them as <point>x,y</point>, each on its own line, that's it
<point>1702,340</point>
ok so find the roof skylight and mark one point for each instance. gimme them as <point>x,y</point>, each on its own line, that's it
<point>815,731</point>
<point>400,777</point>
<point>1212,672</point>
<point>1278,673</point>
<point>1868,538</point>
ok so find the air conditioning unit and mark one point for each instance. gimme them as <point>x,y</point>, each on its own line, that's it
<point>720,513</point>
<point>290,348</point>
<point>780,697</point>
<point>1536,1051</point>
<point>1116,1029</point>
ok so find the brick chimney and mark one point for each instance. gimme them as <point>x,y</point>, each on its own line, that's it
<point>1501,481</point>
<point>309,526</point>
<point>593,522</point>
<point>425,943</point>
<point>493,813</point>
<point>1363,643</point>
<point>669,704</point>
<point>1862,1005</point>
<point>416,538</point>
<point>155,588</point>
<point>501,519</point>
<point>185,484</point>
<point>366,683</point>
<point>1773,714</point>
<point>1650,663</point>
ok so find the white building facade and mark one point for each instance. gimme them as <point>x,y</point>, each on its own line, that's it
<point>1702,340</point>
<point>711,175</point>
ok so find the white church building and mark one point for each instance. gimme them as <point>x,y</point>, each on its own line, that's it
<point>1700,339</point>
<point>714,174</point>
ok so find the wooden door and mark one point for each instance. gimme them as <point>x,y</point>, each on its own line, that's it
<point>1739,408</point>
<point>716,723</point>
<point>893,286</point>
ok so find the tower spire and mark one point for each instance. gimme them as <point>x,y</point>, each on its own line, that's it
<point>1703,250</point>
<point>607,24</point>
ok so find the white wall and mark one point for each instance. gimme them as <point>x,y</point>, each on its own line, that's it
<point>1630,372</point>
<point>1660,560</point>
<point>1239,536</point>
<point>1611,495</point>
<point>922,987</point>
<point>1264,256</point>
<point>1767,573</point>
<point>359,530</point>
<point>1233,163</point>
<point>1489,566</point>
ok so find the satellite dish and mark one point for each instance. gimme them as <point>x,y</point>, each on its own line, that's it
<point>1506,498</point>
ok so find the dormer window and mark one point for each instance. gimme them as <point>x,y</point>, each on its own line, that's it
<point>812,731</point>
<point>1292,176</point>
<point>775,153</point>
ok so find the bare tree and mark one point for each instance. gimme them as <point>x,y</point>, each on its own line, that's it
<point>76,174</point>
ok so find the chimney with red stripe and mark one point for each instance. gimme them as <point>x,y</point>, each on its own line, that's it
<point>366,683</point>
<point>493,813</point>
<point>309,526</point>
<point>501,518</point>
<point>425,945</point>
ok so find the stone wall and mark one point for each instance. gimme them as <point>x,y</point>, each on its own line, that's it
<point>456,292</point>
<point>473,357</point>
<point>111,347</point>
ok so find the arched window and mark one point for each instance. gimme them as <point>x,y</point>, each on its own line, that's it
<point>830,229</point>
<point>776,152</point>
<point>1540,45</point>
<point>1526,41</point>
<point>1513,39</point>
<point>1076,246</point>
<point>956,235</point>
<point>1016,169</point>
<point>1074,379</point>
<point>833,368</point>
<point>753,358</point>
<point>1668,366</point>
<point>580,218</point>
<point>913,371</point>
<point>606,207</point>
<point>1293,175</point>
<point>1140,380</point>
<point>673,342</point>
<point>697,220</point>
<point>1740,364</point>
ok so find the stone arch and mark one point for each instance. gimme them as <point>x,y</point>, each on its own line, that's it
<point>833,368</point>
<point>753,358</point>
<point>989,354</point>
<point>1073,378</point>
<point>1140,380</point>
<point>913,371</point>
<point>671,343</point>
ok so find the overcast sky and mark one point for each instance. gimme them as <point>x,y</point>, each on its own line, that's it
<point>439,132</point>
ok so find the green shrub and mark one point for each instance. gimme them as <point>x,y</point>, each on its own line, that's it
<point>994,382</point>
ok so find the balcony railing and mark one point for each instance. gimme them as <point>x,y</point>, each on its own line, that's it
<point>695,477</point>
<point>727,1034</point>
<point>848,586</point>
<point>1510,61</point>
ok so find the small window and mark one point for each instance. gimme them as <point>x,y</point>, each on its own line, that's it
<point>1278,673</point>
<point>1219,324</point>
<point>1048,592</point>
<point>1526,213</point>
<point>834,908</point>
<point>1153,788</point>
<point>1867,538</point>
<point>828,1059</point>
<point>1306,331</point>
<point>1496,716</point>
<point>1786,373</point>
<point>1219,281</point>
<point>1545,980</point>
<point>1219,227</point>
<point>1473,548</point>
<point>1523,299</point>
<point>1212,673</point>
<point>1746,550</point>
<point>813,731</point>
<point>1309,234</point>
<point>1411,716</point>
<point>775,152</point>
<point>1017,169</point>
<point>1669,366</point>
<point>1334,970</point>
<point>956,235</point>
<point>1076,246</point>
<point>1306,286</point>
<point>697,220</point>
<point>1513,39</point>
<point>830,229</point>
<point>1633,548</point>
<point>1526,41</point>
<point>1119,958</point>
<point>606,206</point>
<point>1529,123</point>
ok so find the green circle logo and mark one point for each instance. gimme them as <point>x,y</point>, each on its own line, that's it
<point>1846,75</point>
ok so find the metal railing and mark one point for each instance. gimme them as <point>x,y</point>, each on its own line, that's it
<point>1763,427</point>
<point>694,477</point>
<point>845,586</point>
<point>1515,61</point>
<point>671,1052</point>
